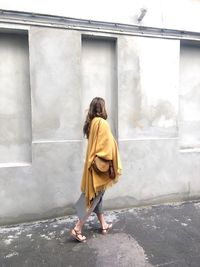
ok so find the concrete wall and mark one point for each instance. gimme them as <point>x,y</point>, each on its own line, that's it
<point>189,95</point>
<point>99,75</point>
<point>39,190</point>
<point>156,169</point>
<point>149,94</point>
<point>15,100</point>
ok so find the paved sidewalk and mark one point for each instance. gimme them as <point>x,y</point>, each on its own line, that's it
<point>166,235</point>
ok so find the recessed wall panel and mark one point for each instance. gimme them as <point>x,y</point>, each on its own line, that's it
<point>55,83</point>
<point>148,88</point>
<point>189,117</point>
<point>99,76</point>
<point>15,101</point>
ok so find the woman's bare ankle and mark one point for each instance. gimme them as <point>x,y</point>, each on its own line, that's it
<point>104,225</point>
<point>78,227</point>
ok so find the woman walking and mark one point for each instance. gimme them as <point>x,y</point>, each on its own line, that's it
<point>101,170</point>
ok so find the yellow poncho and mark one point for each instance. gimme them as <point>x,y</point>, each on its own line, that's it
<point>104,146</point>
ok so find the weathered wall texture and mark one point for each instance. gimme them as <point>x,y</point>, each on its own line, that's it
<point>15,100</point>
<point>99,75</point>
<point>156,168</point>
<point>38,190</point>
<point>190,95</point>
<point>152,100</point>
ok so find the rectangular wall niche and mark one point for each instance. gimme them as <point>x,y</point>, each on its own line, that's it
<point>99,75</point>
<point>15,100</point>
<point>189,125</point>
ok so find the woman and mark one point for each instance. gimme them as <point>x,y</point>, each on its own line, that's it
<point>102,144</point>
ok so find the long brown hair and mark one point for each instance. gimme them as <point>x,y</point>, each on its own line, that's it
<point>96,109</point>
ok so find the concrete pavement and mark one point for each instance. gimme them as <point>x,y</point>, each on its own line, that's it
<point>165,235</point>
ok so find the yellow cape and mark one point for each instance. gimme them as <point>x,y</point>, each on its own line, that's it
<point>101,143</point>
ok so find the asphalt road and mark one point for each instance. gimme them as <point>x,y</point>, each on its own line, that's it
<point>165,235</point>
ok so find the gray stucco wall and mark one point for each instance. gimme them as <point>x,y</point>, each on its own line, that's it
<point>15,100</point>
<point>189,95</point>
<point>143,80</point>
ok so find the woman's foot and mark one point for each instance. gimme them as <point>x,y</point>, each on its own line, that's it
<point>78,235</point>
<point>105,229</point>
